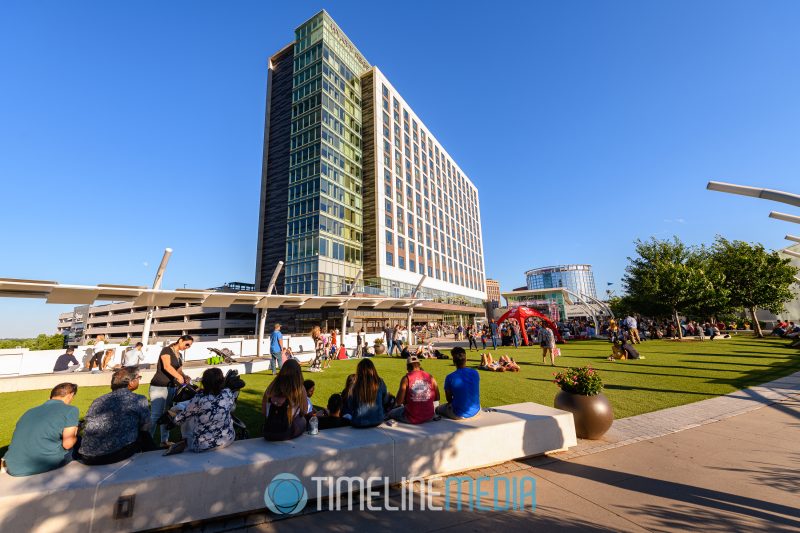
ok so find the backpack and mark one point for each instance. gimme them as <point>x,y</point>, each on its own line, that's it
<point>276,424</point>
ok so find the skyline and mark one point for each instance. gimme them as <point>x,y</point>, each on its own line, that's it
<point>631,121</point>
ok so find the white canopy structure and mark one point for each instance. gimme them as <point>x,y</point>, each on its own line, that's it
<point>57,293</point>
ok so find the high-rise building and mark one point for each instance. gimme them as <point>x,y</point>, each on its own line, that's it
<point>493,292</point>
<point>352,179</point>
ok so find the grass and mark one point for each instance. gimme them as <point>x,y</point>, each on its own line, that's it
<point>673,373</point>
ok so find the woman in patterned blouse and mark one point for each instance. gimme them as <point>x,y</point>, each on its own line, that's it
<point>210,414</point>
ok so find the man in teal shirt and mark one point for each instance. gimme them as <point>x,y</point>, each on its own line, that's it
<point>45,434</point>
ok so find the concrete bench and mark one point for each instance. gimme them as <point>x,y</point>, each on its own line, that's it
<point>192,487</point>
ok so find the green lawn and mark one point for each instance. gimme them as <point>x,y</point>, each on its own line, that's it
<point>673,373</point>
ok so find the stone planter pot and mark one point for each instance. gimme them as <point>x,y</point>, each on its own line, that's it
<point>380,349</point>
<point>593,415</point>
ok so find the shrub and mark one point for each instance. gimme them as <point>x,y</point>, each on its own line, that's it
<point>580,380</point>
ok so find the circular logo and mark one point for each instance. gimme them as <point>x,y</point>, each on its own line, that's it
<point>285,494</point>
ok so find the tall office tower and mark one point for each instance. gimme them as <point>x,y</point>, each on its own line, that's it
<point>352,179</point>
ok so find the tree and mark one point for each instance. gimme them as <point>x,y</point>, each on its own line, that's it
<point>669,277</point>
<point>756,278</point>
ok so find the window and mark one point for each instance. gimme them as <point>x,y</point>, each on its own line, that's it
<point>389,259</point>
<point>401,262</point>
<point>323,247</point>
<point>412,266</point>
<point>389,239</point>
<point>401,243</point>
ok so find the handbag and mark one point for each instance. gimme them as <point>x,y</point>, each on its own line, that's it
<point>556,352</point>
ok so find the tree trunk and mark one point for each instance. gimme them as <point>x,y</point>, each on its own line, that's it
<point>756,325</point>
<point>677,323</point>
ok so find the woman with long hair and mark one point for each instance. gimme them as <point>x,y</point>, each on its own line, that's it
<point>207,420</point>
<point>285,404</point>
<point>368,396</point>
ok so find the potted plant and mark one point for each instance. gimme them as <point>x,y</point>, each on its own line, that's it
<point>582,395</point>
<point>379,347</point>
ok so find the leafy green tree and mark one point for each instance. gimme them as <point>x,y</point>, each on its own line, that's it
<point>668,277</point>
<point>755,277</point>
<point>41,342</point>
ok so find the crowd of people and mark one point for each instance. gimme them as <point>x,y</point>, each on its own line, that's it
<point>667,329</point>
<point>121,423</point>
<point>788,330</point>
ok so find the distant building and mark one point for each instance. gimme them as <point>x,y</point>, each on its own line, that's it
<point>122,321</point>
<point>493,292</point>
<point>576,278</point>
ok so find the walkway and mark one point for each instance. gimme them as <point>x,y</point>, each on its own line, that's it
<point>727,463</point>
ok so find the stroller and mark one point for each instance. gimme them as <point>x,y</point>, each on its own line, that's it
<point>188,391</point>
<point>226,354</point>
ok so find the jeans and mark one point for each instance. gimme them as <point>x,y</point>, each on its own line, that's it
<point>276,361</point>
<point>389,346</point>
<point>494,342</point>
<point>160,401</point>
<point>515,338</point>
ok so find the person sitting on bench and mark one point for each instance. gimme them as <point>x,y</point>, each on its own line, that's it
<point>461,389</point>
<point>333,418</point>
<point>285,404</point>
<point>117,424</point>
<point>418,390</point>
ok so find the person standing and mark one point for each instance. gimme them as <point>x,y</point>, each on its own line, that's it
<point>388,334</point>
<point>515,333</point>
<point>97,355</point>
<point>276,348</point>
<point>493,331</point>
<point>471,333</point>
<point>45,435</point>
<point>547,340</point>
<point>633,329</point>
<point>360,336</point>
<point>398,340</point>
<point>169,375</point>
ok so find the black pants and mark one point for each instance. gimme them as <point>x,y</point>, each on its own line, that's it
<point>473,342</point>
<point>143,444</point>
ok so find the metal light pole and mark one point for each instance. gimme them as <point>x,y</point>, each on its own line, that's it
<point>755,192</point>
<point>785,217</point>
<point>262,313</point>
<point>346,311</point>
<point>411,308</point>
<point>156,285</point>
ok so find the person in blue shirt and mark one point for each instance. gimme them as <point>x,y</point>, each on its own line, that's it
<point>45,435</point>
<point>462,389</point>
<point>276,348</point>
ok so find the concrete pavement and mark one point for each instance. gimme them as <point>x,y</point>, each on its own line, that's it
<point>732,470</point>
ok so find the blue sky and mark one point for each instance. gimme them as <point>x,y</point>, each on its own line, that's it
<point>129,127</point>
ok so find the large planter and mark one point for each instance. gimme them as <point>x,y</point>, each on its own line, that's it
<point>593,415</point>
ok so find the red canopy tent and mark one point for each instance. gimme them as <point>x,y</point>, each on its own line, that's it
<point>522,313</point>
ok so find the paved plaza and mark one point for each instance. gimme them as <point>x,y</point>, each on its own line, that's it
<point>725,464</point>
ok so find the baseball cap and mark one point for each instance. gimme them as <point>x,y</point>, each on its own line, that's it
<point>412,359</point>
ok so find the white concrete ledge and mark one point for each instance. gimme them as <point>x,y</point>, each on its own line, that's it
<point>191,487</point>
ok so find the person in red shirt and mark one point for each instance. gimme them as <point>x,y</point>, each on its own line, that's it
<point>418,390</point>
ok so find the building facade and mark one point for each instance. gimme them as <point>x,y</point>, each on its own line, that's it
<point>576,278</point>
<point>353,180</point>
<point>124,321</point>
<point>493,292</point>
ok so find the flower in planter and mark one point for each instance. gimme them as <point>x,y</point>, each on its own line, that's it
<point>579,380</point>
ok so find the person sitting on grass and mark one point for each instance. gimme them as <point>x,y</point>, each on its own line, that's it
<point>624,350</point>
<point>333,418</point>
<point>285,404</point>
<point>366,402</point>
<point>418,390</point>
<point>461,389</point>
<point>117,424</point>
<point>206,420</point>
<point>508,364</point>
<point>487,363</point>
<point>45,435</point>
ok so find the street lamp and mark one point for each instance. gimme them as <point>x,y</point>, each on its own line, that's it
<point>755,192</point>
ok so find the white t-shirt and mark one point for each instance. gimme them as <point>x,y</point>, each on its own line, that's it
<point>133,357</point>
